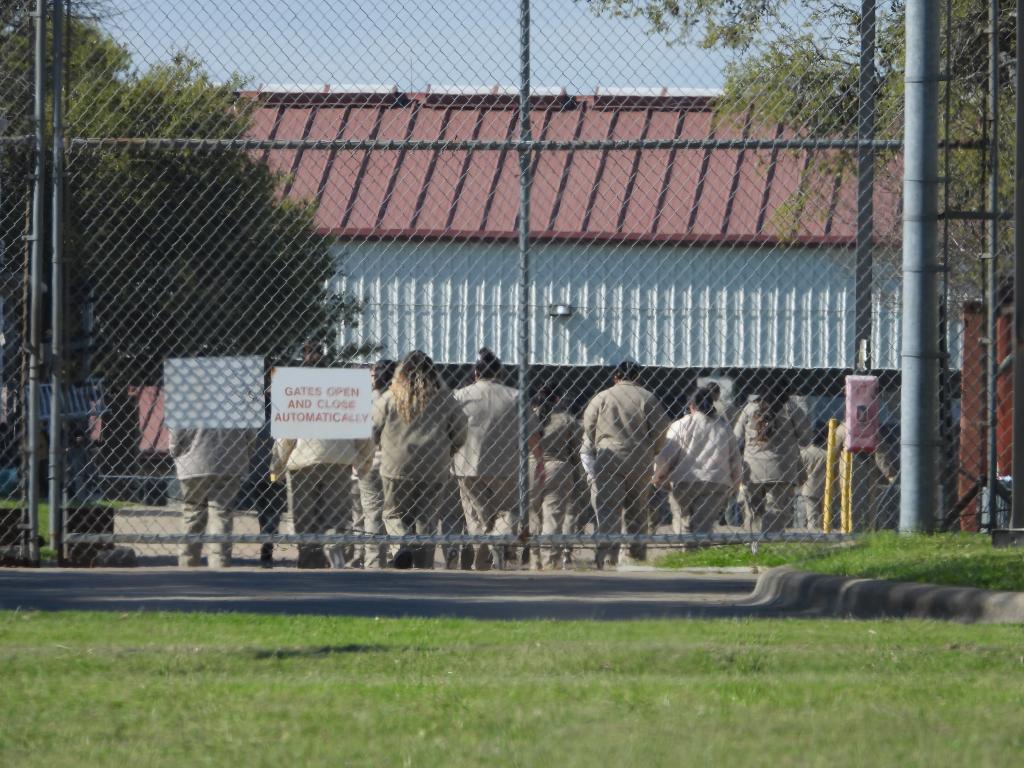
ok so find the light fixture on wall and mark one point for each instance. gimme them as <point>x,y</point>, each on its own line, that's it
<point>560,310</point>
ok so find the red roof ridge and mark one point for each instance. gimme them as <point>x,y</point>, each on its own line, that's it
<point>459,96</point>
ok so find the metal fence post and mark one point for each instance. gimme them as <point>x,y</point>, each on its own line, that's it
<point>1017,511</point>
<point>35,278</point>
<point>991,271</point>
<point>525,137</point>
<point>865,186</point>
<point>920,353</point>
<point>56,494</point>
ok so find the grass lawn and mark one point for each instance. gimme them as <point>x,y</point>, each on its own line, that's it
<point>944,558</point>
<point>240,690</point>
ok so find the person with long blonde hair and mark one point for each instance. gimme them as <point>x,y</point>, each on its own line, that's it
<point>419,427</point>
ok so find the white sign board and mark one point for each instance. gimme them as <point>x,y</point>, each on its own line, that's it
<point>214,392</point>
<point>321,403</point>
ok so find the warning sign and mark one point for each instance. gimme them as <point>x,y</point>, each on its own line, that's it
<point>321,403</point>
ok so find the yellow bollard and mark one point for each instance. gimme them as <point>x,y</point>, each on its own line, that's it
<point>846,508</point>
<point>830,476</point>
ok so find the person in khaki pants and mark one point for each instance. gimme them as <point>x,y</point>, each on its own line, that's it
<point>371,488</point>
<point>701,458</point>
<point>626,425</point>
<point>811,495</point>
<point>554,505</point>
<point>318,474</point>
<point>772,430</point>
<point>487,463</point>
<point>319,479</point>
<point>418,426</point>
<point>210,465</point>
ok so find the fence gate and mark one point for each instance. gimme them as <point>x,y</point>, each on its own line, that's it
<point>561,283</point>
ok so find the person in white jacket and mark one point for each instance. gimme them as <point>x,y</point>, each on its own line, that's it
<point>701,459</point>
<point>318,474</point>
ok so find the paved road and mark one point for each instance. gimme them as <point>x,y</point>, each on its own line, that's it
<point>512,595</point>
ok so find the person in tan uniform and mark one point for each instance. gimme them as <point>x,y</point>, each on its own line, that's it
<point>210,464</point>
<point>554,505</point>
<point>318,475</point>
<point>419,427</point>
<point>771,431</point>
<point>873,473</point>
<point>371,490</point>
<point>487,463</point>
<point>812,493</point>
<point>626,426</point>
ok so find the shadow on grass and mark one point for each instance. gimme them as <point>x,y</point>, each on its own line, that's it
<point>316,651</point>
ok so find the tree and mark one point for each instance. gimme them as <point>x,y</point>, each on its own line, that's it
<point>798,62</point>
<point>168,252</point>
<point>175,251</point>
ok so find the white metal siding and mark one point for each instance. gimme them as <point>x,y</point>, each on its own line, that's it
<point>708,307</point>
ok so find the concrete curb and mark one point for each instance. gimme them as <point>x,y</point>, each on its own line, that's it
<point>792,590</point>
<point>700,570</point>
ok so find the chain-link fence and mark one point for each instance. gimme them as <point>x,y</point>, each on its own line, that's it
<point>17,225</point>
<point>370,284</point>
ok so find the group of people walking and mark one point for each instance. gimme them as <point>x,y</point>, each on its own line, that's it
<point>427,436</point>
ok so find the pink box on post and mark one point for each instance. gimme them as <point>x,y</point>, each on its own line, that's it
<point>862,414</point>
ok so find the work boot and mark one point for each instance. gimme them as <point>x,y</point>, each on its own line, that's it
<point>311,556</point>
<point>403,559</point>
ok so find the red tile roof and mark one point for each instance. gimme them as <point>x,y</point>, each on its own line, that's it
<point>716,196</point>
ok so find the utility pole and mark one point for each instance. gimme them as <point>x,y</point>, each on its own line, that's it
<point>919,401</point>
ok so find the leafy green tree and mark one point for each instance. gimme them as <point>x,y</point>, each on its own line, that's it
<point>168,251</point>
<point>176,251</point>
<point>798,62</point>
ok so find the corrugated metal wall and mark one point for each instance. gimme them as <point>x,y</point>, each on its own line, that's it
<point>693,306</point>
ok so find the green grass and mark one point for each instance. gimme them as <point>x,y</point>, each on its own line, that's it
<point>955,559</point>
<point>239,690</point>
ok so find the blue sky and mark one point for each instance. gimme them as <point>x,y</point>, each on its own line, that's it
<point>410,43</point>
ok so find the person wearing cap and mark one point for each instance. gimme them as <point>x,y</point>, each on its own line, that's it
<point>701,459</point>
<point>371,489</point>
<point>771,430</point>
<point>626,426</point>
<point>554,505</point>
<point>486,465</point>
<point>418,426</point>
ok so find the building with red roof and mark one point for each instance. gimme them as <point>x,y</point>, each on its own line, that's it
<point>703,257</point>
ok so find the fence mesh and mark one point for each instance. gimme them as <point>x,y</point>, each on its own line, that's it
<point>16,156</point>
<point>297,296</point>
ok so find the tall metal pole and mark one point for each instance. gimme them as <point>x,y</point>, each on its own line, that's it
<point>36,281</point>
<point>525,135</point>
<point>920,355</point>
<point>947,459</point>
<point>863,281</point>
<point>1017,511</point>
<point>991,269</point>
<point>56,494</point>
